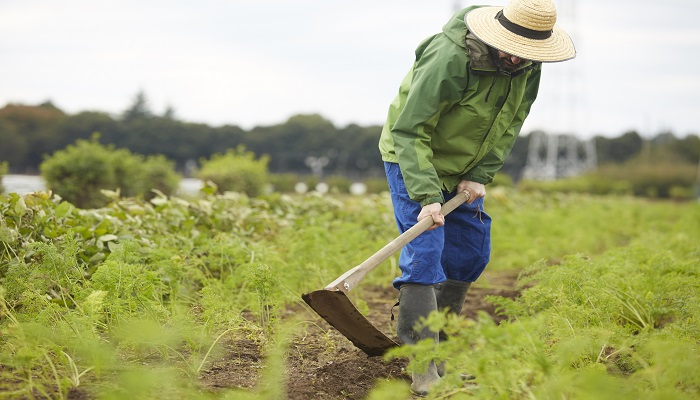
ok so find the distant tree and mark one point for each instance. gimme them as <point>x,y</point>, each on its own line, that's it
<point>618,150</point>
<point>355,152</point>
<point>169,112</point>
<point>32,130</point>
<point>139,109</point>
<point>29,132</point>
<point>48,104</point>
<point>209,141</point>
<point>289,144</point>
<point>83,125</point>
<point>686,149</point>
<point>350,151</point>
<point>14,146</point>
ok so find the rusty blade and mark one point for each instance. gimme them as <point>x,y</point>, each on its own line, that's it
<point>335,307</point>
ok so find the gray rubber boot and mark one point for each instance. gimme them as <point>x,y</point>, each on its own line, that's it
<point>450,295</point>
<point>416,302</point>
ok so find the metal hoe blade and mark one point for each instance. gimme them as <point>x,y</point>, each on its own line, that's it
<point>335,307</point>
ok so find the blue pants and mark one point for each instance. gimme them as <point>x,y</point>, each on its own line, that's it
<point>459,250</point>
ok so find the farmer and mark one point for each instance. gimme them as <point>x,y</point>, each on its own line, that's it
<point>449,130</point>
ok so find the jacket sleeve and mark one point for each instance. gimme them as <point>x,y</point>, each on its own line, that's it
<point>437,84</point>
<point>486,169</point>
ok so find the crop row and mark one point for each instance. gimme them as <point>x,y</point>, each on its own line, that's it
<point>105,299</point>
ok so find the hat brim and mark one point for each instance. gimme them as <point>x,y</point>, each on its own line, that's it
<point>484,25</point>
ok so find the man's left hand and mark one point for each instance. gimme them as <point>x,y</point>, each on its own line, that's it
<point>476,190</point>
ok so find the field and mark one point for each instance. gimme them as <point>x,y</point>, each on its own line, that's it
<point>200,298</point>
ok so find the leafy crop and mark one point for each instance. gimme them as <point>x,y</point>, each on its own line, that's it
<point>135,299</point>
<point>624,324</point>
<point>91,295</point>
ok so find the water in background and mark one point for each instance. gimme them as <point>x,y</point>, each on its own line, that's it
<point>31,183</point>
<point>22,183</point>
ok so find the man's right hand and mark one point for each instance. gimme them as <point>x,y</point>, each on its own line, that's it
<point>432,210</point>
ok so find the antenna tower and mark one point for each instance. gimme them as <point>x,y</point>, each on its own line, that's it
<point>561,155</point>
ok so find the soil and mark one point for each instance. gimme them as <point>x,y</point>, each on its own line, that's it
<point>323,364</point>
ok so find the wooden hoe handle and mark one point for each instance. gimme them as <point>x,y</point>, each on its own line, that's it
<point>353,277</point>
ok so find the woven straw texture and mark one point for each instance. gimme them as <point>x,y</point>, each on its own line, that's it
<point>538,15</point>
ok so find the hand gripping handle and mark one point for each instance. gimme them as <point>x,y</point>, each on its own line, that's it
<point>353,277</point>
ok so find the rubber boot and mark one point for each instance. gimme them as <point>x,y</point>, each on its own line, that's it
<point>450,295</point>
<point>416,302</point>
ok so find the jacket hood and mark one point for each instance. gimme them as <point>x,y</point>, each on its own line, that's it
<point>478,51</point>
<point>455,28</point>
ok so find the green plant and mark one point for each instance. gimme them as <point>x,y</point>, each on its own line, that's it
<point>79,172</point>
<point>338,184</point>
<point>651,179</point>
<point>502,179</point>
<point>3,171</point>
<point>376,185</point>
<point>284,183</point>
<point>311,181</point>
<point>613,326</point>
<point>660,179</point>
<point>584,184</point>
<point>155,173</point>
<point>236,170</point>
<point>138,299</point>
<point>265,284</point>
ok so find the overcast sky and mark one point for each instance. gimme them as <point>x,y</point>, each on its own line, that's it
<point>258,62</point>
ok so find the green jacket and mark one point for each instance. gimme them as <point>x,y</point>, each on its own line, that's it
<point>456,115</point>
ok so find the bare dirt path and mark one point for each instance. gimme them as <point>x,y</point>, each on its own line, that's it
<point>322,364</point>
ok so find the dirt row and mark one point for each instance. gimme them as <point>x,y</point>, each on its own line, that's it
<point>322,364</point>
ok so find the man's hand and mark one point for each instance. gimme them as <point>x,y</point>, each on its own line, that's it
<point>432,210</point>
<point>476,190</point>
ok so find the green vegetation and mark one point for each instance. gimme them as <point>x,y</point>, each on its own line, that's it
<point>3,171</point>
<point>80,172</point>
<point>237,170</point>
<point>28,133</point>
<point>656,167</point>
<point>135,299</point>
<point>622,325</point>
<point>90,297</point>
<point>113,288</point>
<point>660,179</point>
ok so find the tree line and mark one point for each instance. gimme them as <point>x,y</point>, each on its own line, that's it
<point>29,133</point>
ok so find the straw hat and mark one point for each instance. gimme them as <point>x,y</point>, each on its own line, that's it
<point>523,28</point>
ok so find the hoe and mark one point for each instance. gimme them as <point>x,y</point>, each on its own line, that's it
<point>333,304</point>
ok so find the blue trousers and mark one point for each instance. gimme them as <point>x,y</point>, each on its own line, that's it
<point>459,250</point>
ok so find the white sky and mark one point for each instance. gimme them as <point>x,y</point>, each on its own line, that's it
<point>258,62</point>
